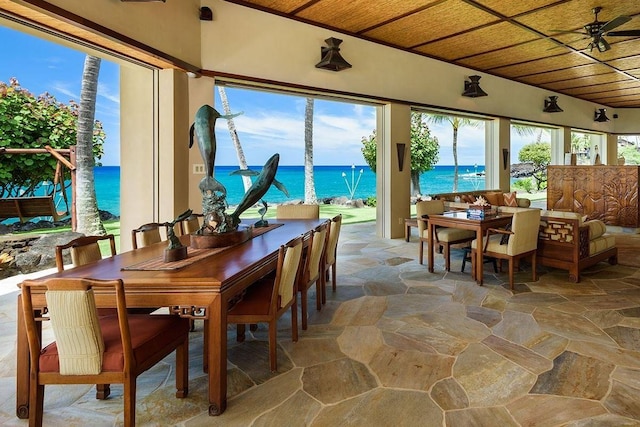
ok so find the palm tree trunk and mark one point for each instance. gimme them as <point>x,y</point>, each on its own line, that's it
<point>88,221</point>
<point>455,159</point>
<point>309,186</point>
<point>242,162</point>
<point>415,183</point>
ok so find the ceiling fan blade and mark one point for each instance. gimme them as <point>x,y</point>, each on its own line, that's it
<point>628,33</point>
<point>615,22</point>
<point>602,45</point>
<point>559,32</point>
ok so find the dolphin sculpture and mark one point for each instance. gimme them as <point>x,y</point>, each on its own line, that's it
<point>257,189</point>
<point>204,129</point>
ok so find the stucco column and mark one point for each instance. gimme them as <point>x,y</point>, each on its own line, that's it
<point>560,144</point>
<point>611,149</point>
<point>154,135</point>
<point>498,139</point>
<point>393,185</point>
<point>173,142</point>
<point>201,92</point>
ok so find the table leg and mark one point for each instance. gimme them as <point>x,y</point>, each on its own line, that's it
<point>407,231</point>
<point>22,365</point>
<point>431,238</point>
<point>479,256</point>
<point>217,350</point>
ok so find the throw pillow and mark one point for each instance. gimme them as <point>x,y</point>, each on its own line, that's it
<point>510,199</point>
<point>495,198</point>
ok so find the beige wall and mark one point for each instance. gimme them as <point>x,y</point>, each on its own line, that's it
<point>172,27</point>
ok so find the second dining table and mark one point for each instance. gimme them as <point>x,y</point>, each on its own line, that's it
<point>200,289</point>
<point>459,219</point>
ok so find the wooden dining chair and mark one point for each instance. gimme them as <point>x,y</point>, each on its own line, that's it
<point>299,211</point>
<point>521,241</point>
<point>444,236</point>
<point>269,298</point>
<point>83,250</point>
<point>90,349</point>
<point>331,255</point>
<point>191,224</point>
<point>146,234</point>
<point>313,268</point>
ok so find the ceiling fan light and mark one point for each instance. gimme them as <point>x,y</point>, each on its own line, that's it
<point>472,88</point>
<point>601,115</point>
<point>551,105</point>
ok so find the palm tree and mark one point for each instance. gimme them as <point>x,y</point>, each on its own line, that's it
<point>242,161</point>
<point>456,123</point>
<point>88,216</point>
<point>309,186</point>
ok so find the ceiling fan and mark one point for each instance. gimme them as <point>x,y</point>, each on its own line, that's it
<point>596,31</point>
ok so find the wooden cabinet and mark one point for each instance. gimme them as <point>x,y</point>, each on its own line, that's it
<point>608,193</point>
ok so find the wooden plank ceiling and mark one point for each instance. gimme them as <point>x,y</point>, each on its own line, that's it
<point>522,40</point>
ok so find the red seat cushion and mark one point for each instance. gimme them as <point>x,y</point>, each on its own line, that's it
<point>256,300</point>
<point>149,334</point>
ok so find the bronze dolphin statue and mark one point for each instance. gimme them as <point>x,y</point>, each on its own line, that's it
<point>258,188</point>
<point>204,130</point>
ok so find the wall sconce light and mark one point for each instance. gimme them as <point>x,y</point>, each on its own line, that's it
<point>330,56</point>
<point>601,115</point>
<point>401,148</point>
<point>551,105</point>
<point>472,88</point>
<point>206,14</point>
<point>505,158</point>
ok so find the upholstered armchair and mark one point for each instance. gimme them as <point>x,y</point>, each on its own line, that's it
<point>520,241</point>
<point>445,236</point>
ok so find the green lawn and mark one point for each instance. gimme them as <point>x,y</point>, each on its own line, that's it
<point>349,216</point>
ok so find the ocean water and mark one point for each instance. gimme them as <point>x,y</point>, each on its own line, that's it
<point>329,182</point>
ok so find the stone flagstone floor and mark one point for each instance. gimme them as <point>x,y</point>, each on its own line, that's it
<point>398,346</point>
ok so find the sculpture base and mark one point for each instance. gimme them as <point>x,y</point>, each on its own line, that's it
<point>176,254</point>
<point>219,240</point>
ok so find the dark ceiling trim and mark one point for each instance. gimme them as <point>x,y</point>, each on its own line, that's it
<point>85,24</point>
<point>304,6</point>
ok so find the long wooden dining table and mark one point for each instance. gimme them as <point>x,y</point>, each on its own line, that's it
<point>200,290</point>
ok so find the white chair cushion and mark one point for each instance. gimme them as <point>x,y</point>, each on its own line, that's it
<point>494,244</point>
<point>453,234</point>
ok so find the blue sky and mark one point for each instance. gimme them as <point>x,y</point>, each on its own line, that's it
<point>270,123</point>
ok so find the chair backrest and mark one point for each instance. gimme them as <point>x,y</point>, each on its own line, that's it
<point>148,233</point>
<point>428,207</point>
<point>525,226</point>
<point>71,307</point>
<point>84,250</point>
<point>299,211</point>
<point>316,250</point>
<point>191,224</point>
<point>287,271</point>
<point>334,234</point>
